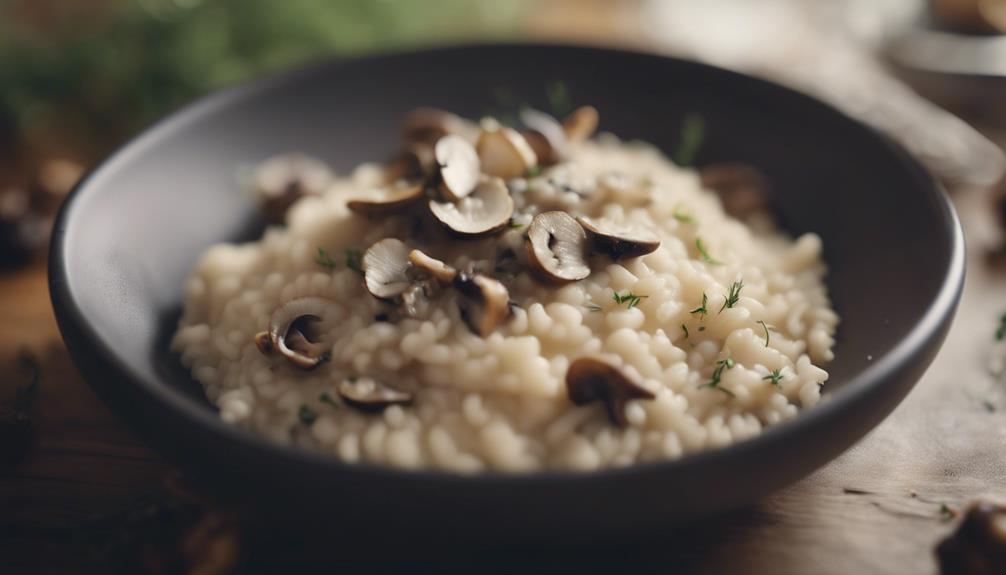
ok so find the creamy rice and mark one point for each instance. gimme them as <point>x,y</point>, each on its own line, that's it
<point>500,402</point>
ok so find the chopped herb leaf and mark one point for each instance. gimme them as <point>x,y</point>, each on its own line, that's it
<point>946,512</point>
<point>714,382</point>
<point>533,172</point>
<point>513,225</point>
<point>306,415</point>
<point>693,131</point>
<point>704,254</point>
<point>733,295</point>
<point>774,377</point>
<point>764,327</point>
<point>1001,331</point>
<point>629,297</point>
<point>324,260</point>
<point>594,307</point>
<point>326,398</point>
<point>701,310</point>
<point>558,98</point>
<point>354,257</point>
<point>684,328</point>
<point>683,216</point>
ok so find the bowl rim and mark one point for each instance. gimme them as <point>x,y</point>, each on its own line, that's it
<point>76,331</point>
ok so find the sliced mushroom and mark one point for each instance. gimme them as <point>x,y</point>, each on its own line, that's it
<point>483,212</point>
<point>503,152</point>
<point>385,268</point>
<point>427,125</point>
<point>293,332</point>
<point>591,379</point>
<point>581,123</point>
<point>545,135</point>
<point>483,302</point>
<point>619,243</point>
<point>371,396</point>
<point>557,248</point>
<point>978,546</point>
<point>432,267</point>
<point>395,199</point>
<point>743,188</point>
<point>416,161</point>
<point>459,166</point>
<point>282,180</point>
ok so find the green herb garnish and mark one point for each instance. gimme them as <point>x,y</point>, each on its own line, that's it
<point>704,254</point>
<point>558,98</point>
<point>946,513</point>
<point>714,382</point>
<point>1001,331</point>
<point>514,225</point>
<point>733,295</point>
<point>594,307</point>
<point>327,399</point>
<point>764,327</point>
<point>693,131</point>
<point>629,297</point>
<point>774,377</point>
<point>701,310</point>
<point>683,216</point>
<point>534,171</point>
<point>306,415</point>
<point>684,328</point>
<point>354,258</point>
<point>324,260</point>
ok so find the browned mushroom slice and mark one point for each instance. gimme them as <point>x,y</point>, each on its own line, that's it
<point>557,248</point>
<point>385,268</point>
<point>743,188</point>
<point>427,125</point>
<point>294,332</point>
<point>545,135</point>
<point>282,180</point>
<point>484,302</point>
<point>483,212</point>
<point>581,123</point>
<point>591,379</point>
<point>619,243</point>
<point>979,544</point>
<point>432,267</point>
<point>371,396</point>
<point>503,152</point>
<point>459,166</point>
<point>416,161</point>
<point>392,200</point>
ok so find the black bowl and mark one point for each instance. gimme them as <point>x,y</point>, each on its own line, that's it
<point>132,230</point>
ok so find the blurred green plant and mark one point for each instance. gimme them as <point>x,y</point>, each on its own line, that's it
<point>78,77</point>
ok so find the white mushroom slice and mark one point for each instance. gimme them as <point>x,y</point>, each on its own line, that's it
<point>433,267</point>
<point>616,242</point>
<point>581,123</point>
<point>282,180</point>
<point>557,248</point>
<point>504,153</point>
<point>459,166</point>
<point>484,302</point>
<point>371,396</point>
<point>391,200</point>
<point>545,135</point>
<point>293,332</point>
<point>486,210</point>
<point>385,268</point>
<point>590,379</point>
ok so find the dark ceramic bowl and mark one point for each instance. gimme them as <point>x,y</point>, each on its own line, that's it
<point>132,230</point>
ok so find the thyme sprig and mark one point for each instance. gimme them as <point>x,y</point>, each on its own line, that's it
<point>775,377</point>
<point>629,297</point>
<point>714,382</point>
<point>767,334</point>
<point>733,296</point>
<point>324,260</point>
<point>701,310</point>
<point>704,254</point>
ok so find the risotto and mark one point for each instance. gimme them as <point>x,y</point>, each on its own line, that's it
<point>507,299</point>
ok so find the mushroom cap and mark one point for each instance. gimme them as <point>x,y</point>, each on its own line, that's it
<point>282,180</point>
<point>427,125</point>
<point>743,188</point>
<point>594,378</point>
<point>557,248</point>
<point>392,200</point>
<point>483,212</point>
<point>415,161</point>
<point>483,301</point>
<point>619,243</point>
<point>371,396</point>
<point>433,267</point>
<point>545,135</point>
<point>385,268</point>
<point>294,331</point>
<point>503,152</point>
<point>581,123</point>
<point>459,166</point>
